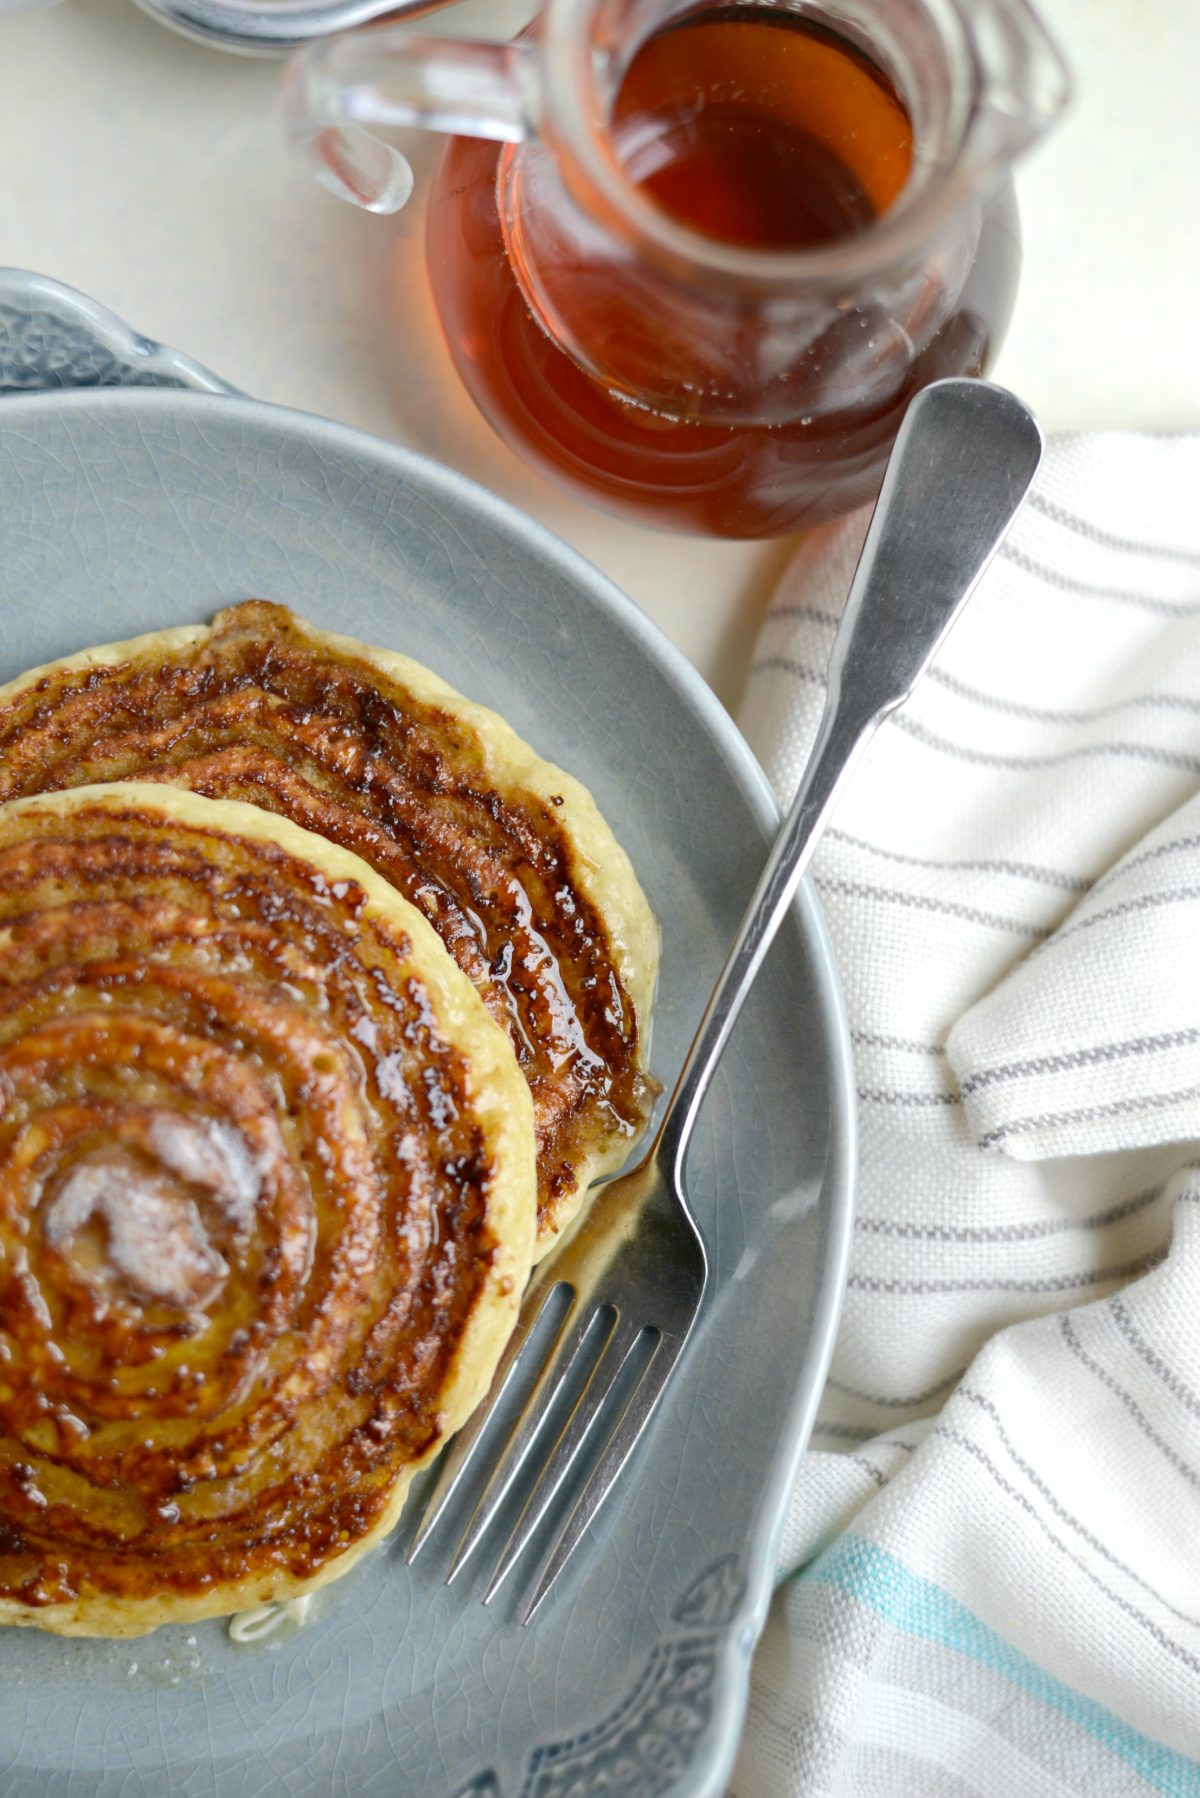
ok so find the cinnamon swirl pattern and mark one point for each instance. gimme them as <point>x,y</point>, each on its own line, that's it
<point>507,856</point>
<point>267,1204</point>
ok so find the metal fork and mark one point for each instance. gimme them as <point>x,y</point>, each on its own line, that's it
<point>606,1318</point>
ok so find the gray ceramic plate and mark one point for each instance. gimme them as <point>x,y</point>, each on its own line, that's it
<point>125,511</point>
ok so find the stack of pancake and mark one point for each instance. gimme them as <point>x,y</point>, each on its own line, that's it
<point>323,1001</point>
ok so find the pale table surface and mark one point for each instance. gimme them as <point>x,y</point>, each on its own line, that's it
<point>151,173</point>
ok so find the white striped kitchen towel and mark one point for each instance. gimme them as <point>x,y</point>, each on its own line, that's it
<point>990,1580</point>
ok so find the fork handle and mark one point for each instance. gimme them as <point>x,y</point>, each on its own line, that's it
<point>960,468</point>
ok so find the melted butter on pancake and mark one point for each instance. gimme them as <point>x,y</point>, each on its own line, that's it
<point>123,1226</point>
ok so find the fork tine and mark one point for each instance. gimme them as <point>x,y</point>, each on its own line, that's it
<point>610,1364</point>
<point>564,1359</point>
<point>635,1415</point>
<point>456,1460</point>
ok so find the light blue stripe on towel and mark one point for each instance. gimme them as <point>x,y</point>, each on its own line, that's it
<point>885,1585</point>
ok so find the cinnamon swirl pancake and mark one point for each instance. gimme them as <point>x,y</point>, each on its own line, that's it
<point>267,1204</point>
<point>507,856</point>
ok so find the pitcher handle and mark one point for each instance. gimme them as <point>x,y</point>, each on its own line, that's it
<point>331,90</point>
<point>1025,83</point>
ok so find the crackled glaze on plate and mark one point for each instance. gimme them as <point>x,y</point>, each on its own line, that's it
<point>129,511</point>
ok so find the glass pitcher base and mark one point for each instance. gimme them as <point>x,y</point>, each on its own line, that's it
<point>743,481</point>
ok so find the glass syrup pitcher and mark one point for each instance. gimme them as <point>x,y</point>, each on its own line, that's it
<point>694,260</point>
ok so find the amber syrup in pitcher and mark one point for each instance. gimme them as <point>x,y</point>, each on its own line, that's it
<point>756,128</point>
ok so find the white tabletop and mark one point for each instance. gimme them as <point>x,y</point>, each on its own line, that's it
<point>150,172</point>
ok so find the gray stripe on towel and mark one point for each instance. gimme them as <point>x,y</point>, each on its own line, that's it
<point>888,1403</point>
<point>1125,1270</point>
<point>1079,1058</point>
<point>1053,1120</point>
<point>1175,1649</point>
<point>1083,527</point>
<point>1139,902</point>
<point>1060,1511</point>
<point>1137,1342</point>
<point>1127,866</point>
<point>857,889</point>
<point>1049,1226</point>
<point>874,1095</point>
<point>1015,708</point>
<point>1054,877</point>
<point>844,1432</point>
<point>987,758</point>
<point>871,1039</point>
<point>1063,583</point>
<point>1127,1399</point>
<point>994,702</point>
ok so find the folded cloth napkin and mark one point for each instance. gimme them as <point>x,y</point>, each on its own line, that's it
<point>990,1574</point>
